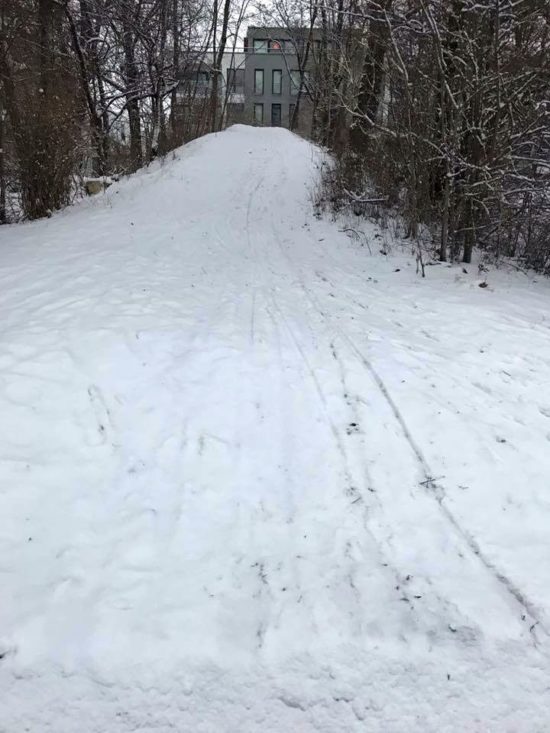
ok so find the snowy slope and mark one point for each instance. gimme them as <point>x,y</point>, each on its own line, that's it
<point>253,478</point>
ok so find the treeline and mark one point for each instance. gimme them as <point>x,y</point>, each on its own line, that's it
<point>94,86</point>
<point>441,108</point>
<point>438,109</point>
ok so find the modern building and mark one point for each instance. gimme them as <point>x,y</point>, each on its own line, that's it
<point>261,85</point>
<point>277,76</point>
<point>194,93</point>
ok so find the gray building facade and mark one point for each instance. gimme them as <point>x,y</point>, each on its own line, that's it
<point>272,76</point>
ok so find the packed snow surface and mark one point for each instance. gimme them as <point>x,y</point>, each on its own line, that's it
<point>255,477</point>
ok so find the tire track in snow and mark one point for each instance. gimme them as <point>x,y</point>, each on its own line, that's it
<point>355,498</point>
<point>399,580</point>
<point>253,256</point>
<point>318,389</point>
<point>463,537</point>
<point>428,482</point>
<point>527,607</point>
<point>396,580</point>
<point>402,579</point>
<point>431,486</point>
<point>266,601</point>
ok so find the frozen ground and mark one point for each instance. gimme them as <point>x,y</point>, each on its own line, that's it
<point>255,479</point>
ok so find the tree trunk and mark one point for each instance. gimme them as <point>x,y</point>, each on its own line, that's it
<point>176,72</point>
<point>157,68</point>
<point>81,51</point>
<point>302,67</point>
<point>368,100</point>
<point>468,247</point>
<point>132,91</point>
<point>215,125</point>
<point>3,210</point>
<point>445,221</point>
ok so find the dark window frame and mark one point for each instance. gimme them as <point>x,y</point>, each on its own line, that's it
<point>280,43</point>
<point>273,72</point>
<point>235,79</point>
<point>280,107</point>
<point>261,106</point>
<point>256,92</point>
<point>257,41</point>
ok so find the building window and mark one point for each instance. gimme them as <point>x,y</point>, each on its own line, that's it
<point>276,46</point>
<point>294,82</point>
<point>259,45</point>
<point>231,80</point>
<point>203,79</point>
<point>277,81</point>
<point>258,81</point>
<point>291,46</point>
<point>259,114</point>
<point>276,115</point>
<point>235,80</point>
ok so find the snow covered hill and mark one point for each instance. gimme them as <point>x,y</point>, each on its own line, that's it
<point>253,478</point>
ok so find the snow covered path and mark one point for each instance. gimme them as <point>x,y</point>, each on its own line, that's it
<point>255,479</point>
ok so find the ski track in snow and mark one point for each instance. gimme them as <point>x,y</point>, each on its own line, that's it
<point>430,482</point>
<point>254,478</point>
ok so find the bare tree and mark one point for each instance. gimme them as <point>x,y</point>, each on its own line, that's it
<point>451,121</point>
<point>40,101</point>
